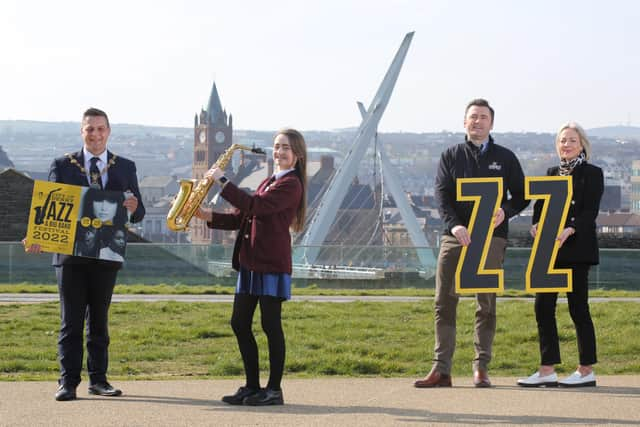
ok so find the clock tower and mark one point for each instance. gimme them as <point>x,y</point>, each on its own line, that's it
<point>212,136</point>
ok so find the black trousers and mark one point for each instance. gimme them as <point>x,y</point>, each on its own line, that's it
<point>85,292</point>
<point>545,307</point>
<point>244,307</point>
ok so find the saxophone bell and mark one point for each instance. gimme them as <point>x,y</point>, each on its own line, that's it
<point>175,218</point>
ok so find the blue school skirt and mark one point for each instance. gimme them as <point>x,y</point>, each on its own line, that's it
<point>271,284</point>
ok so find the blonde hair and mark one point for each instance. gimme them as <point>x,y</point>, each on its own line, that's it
<point>299,148</point>
<point>584,141</point>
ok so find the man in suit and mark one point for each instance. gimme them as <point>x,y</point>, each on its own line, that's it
<point>85,284</point>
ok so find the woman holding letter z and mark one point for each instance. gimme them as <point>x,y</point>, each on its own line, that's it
<point>578,251</point>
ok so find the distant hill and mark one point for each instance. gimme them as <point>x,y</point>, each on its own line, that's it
<point>616,132</point>
<point>73,128</point>
<point>31,126</point>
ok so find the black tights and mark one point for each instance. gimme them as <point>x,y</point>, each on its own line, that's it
<point>241,320</point>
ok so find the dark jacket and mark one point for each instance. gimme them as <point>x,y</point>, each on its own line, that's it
<point>466,161</point>
<point>263,243</point>
<point>121,177</point>
<point>588,186</point>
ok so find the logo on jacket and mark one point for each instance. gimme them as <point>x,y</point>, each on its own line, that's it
<point>495,166</point>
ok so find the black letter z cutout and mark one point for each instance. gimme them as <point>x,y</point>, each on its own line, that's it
<point>556,192</point>
<point>471,274</point>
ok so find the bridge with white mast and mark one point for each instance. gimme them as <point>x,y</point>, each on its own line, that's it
<point>367,135</point>
<point>307,260</point>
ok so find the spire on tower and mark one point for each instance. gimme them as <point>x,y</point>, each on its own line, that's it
<point>216,115</point>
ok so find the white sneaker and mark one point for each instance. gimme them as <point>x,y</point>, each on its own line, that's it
<point>577,380</point>
<point>537,380</point>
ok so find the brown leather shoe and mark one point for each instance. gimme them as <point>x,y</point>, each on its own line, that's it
<point>481,378</point>
<point>434,379</point>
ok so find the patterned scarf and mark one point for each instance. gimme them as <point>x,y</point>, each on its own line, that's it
<point>567,166</point>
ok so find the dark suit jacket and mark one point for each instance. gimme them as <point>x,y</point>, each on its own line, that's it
<point>588,186</point>
<point>121,177</point>
<point>263,243</point>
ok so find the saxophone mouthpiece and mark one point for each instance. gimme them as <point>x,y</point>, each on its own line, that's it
<point>258,150</point>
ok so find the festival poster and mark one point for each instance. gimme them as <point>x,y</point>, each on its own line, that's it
<point>76,220</point>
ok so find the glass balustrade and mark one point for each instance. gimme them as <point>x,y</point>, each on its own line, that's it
<point>333,266</point>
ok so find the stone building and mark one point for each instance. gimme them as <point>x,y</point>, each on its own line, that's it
<point>212,136</point>
<point>15,195</point>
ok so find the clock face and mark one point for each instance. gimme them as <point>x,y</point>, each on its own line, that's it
<point>220,137</point>
<point>203,136</point>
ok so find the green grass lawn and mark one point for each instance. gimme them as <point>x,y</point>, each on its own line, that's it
<point>167,340</point>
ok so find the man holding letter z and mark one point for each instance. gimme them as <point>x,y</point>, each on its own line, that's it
<point>477,157</point>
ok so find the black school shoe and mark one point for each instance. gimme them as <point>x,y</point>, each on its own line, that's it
<point>241,394</point>
<point>265,397</point>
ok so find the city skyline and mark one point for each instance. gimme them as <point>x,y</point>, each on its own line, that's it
<point>306,64</point>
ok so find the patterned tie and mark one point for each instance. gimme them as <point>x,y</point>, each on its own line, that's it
<point>94,172</point>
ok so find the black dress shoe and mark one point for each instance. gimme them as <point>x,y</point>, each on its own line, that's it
<point>65,393</point>
<point>241,394</point>
<point>104,389</point>
<point>265,397</point>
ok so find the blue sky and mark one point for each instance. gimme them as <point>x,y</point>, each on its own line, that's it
<point>306,63</point>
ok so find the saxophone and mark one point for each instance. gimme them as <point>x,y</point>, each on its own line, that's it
<point>189,199</point>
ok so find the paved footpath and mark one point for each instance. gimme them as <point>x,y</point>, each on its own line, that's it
<point>327,402</point>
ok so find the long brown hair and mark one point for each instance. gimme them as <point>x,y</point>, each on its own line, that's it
<point>299,148</point>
